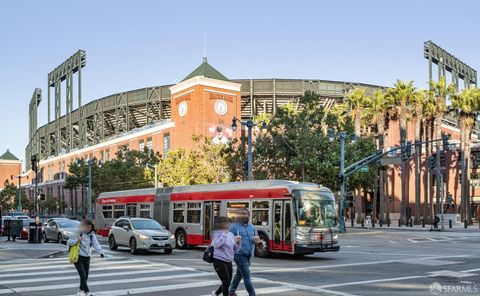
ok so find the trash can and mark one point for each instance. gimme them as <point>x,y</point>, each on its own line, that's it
<point>34,233</point>
<point>16,227</point>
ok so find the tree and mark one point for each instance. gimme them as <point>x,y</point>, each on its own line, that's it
<point>8,195</point>
<point>205,163</point>
<point>402,95</point>
<point>295,146</point>
<point>467,106</point>
<point>376,110</point>
<point>356,103</point>
<point>441,91</point>
<point>420,102</point>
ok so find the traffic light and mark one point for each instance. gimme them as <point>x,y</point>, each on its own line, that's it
<point>445,143</point>
<point>408,149</point>
<point>42,197</point>
<point>245,166</point>
<point>431,162</point>
<point>34,162</point>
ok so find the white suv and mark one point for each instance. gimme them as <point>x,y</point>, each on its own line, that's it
<point>140,234</point>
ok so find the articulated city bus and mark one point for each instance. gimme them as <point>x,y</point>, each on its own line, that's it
<point>291,217</point>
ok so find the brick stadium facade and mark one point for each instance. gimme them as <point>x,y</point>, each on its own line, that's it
<point>164,118</point>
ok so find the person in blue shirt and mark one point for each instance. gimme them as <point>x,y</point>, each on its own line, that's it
<point>247,235</point>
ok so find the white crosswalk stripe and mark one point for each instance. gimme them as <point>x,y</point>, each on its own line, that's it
<point>115,276</point>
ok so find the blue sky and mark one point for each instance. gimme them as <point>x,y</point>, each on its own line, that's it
<point>133,44</point>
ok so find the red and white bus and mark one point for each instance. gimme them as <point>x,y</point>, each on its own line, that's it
<point>291,217</point>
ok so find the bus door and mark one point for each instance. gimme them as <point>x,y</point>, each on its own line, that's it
<point>211,210</point>
<point>282,225</point>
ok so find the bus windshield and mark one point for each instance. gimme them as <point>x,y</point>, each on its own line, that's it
<point>315,208</point>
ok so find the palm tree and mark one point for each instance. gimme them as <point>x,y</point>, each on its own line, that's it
<point>441,91</point>
<point>467,106</point>
<point>376,112</point>
<point>420,100</point>
<point>428,119</point>
<point>356,103</point>
<point>402,95</point>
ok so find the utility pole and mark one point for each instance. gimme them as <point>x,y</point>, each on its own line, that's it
<point>19,193</point>
<point>341,227</point>
<point>90,163</point>
<point>156,178</point>
<point>249,124</point>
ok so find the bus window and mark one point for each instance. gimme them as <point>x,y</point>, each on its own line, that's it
<point>234,206</point>
<point>260,211</point>
<point>118,211</point>
<point>193,212</point>
<point>145,211</point>
<point>107,211</point>
<point>178,212</point>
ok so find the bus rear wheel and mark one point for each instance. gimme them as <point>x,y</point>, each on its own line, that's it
<point>263,247</point>
<point>181,239</point>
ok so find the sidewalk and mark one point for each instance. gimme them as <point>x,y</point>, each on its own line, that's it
<point>21,249</point>
<point>455,228</point>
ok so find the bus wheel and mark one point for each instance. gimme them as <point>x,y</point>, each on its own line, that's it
<point>263,247</point>
<point>181,239</point>
<point>133,246</point>
<point>112,243</point>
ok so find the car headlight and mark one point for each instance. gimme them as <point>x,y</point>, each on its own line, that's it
<point>335,237</point>
<point>66,232</point>
<point>172,236</point>
<point>144,237</point>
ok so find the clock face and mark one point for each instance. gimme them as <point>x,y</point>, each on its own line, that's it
<point>182,108</point>
<point>220,107</point>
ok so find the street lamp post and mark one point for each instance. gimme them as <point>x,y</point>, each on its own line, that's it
<point>343,137</point>
<point>90,163</point>
<point>249,124</point>
<point>19,177</point>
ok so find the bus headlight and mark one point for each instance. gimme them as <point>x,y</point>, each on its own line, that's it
<point>143,237</point>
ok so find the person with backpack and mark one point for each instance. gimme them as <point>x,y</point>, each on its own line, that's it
<point>245,234</point>
<point>225,246</point>
<point>86,239</point>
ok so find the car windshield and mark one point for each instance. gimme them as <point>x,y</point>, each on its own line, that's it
<point>27,222</point>
<point>315,208</point>
<point>68,223</point>
<point>146,224</point>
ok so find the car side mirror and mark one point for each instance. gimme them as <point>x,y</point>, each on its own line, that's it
<point>126,228</point>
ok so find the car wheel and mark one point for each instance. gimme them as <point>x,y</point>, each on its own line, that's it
<point>45,238</point>
<point>168,251</point>
<point>112,243</point>
<point>263,247</point>
<point>59,238</point>
<point>133,246</point>
<point>181,239</point>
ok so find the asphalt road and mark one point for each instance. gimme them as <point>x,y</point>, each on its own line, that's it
<point>370,263</point>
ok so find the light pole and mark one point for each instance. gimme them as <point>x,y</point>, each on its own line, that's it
<point>249,124</point>
<point>19,177</point>
<point>343,137</point>
<point>90,163</point>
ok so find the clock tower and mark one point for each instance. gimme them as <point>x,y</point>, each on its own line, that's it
<point>204,103</point>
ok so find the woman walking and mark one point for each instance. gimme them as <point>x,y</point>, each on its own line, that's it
<point>87,240</point>
<point>225,246</point>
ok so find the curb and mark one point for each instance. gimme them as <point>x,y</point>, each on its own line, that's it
<point>52,254</point>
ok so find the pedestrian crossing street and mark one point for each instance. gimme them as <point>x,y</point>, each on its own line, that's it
<point>115,276</point>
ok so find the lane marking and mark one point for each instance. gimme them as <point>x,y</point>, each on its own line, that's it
<point>73,270</point>
<point>372,281</point>
<point>106,282</point>
<point>95,275</point>
<point>154,289</point>
<point>66,265</point>
<point>263,291</point>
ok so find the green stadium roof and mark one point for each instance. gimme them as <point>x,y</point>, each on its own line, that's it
<point>207,71</point>
<point>8,156</point>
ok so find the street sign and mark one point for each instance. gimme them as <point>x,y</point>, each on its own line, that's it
<point>363,170</point>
